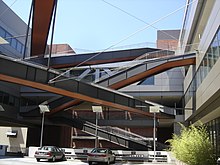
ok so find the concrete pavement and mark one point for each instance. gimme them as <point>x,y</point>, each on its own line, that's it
<point>7,160</point>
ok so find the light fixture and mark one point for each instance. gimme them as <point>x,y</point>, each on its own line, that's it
<point>43,109</point>
<point>97,109</point>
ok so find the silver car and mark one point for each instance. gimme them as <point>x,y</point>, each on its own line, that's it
<point>101,155</point>
<point>51,153</point>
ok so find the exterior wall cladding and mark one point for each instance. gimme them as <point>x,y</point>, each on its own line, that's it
<point>14,35</point>
<point>201,85</point>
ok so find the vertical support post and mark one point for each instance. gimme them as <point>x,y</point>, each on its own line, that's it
<point>97,110</point>
<point>154,110</point>
<point>42,129</point>
<point>52,34</point>
<point>154,137</point>
<point>96,129</point>
<point>27,32</point>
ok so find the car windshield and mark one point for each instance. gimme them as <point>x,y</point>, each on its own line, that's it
<point>46,148</point>
<point>99,150</point>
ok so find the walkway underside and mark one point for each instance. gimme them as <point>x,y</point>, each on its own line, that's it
<point>36,76</point>
<point>71,60</point>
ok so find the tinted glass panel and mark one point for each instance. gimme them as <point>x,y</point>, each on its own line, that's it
<point>2,32</point>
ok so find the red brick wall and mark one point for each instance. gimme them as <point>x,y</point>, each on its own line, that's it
<point>167,44</point>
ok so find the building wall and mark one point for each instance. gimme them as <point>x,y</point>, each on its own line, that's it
<point>171,80</point>
<point>167,39</point>
<point>20,29</point>
<point>53,135</point>
<point>207,66</point>
<point>203,27</point>
<point>15,143</point>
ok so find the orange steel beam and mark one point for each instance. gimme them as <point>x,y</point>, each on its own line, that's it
<point>42,15</point>
<point>138,77</point>
<point>74,95</point>
<point>153,71</point>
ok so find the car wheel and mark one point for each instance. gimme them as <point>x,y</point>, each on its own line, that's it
<point>113,161</point>
<point>90,163</point>
<point>63,158</point>
<point>108,162</point>
<point>38,159</point>
<point>53,159</point>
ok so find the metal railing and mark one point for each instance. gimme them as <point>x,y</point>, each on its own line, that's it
<point>122,133</point>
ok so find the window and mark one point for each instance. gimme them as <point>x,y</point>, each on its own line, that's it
<point>17,45</point>
<point>209,60</point>
<point>14,43</point>
<point>147,81</point>
<point>1,97</point>
<point>5,98</point>
<point>2,32</point>
<point>8,37</point>
<point>11,100</point>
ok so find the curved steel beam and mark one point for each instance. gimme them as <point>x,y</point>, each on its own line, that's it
<point>158,69</point>
<point>74,95</point>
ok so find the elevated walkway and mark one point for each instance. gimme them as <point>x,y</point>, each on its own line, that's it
<point>36,76</point>
<point>147,69</point>
<point>144,68</point>
<point>60,61</point>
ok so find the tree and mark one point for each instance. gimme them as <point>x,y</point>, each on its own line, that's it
<point>193,146</point>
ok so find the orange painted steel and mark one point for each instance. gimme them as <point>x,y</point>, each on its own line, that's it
<point>74,95</point>
<point>153,71</point>
<point>42,15</point>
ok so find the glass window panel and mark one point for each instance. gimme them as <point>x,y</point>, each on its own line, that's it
<point>215,40</point>
<point>198,78</point>
<point>11,100</point>
<point>19,47</point>
<point>202,71</point>
<point>1,97</point>
<point>215,51</point>
<point>22,50</point>
<point>8,37</point>
<point>210,58</point>
<point>2,32</point>
<point>147,81</point>
<point>17,103</point>
<point>14,43</point>
<point>5,98</point>
<point>218,35</point>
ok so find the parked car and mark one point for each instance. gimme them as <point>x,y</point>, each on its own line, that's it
<point>51,153</point>
<point>101,155</point>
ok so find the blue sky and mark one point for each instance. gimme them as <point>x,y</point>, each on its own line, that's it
<point>96,24</point>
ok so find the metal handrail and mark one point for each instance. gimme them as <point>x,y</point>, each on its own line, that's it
<point>122,133</point>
